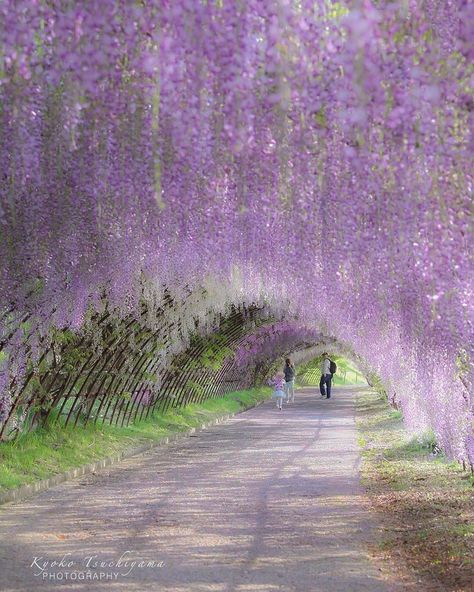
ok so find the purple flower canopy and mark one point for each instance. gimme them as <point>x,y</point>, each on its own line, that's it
<point>318,151</point>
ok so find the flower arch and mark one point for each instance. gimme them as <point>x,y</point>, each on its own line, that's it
<point>321,151</point>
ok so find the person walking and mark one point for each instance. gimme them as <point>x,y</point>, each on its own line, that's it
<point>326,377</point>
<point>278,382</point>
<point>290,373</point>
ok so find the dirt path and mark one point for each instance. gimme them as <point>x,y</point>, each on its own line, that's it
<point>266,501</point>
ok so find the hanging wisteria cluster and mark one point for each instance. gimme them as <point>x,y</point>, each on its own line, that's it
<point>269,342</point>
<point>319,150</point>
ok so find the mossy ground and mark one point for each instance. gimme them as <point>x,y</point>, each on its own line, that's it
<point>425,502</point>
<point>55,448</point>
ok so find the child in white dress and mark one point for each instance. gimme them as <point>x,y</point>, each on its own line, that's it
<point>278,382</point>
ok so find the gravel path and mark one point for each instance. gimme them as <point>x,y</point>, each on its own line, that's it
<point>268,501</point>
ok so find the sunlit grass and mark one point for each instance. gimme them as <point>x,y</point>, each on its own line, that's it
<point>425,501</point>
<point>55,448</point>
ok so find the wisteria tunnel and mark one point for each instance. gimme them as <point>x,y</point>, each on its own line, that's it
<point>121,369</point>
<point>191,191</point>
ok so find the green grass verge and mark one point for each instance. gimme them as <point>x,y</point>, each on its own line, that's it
<point>425,502</point>
<point>55,449</point>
